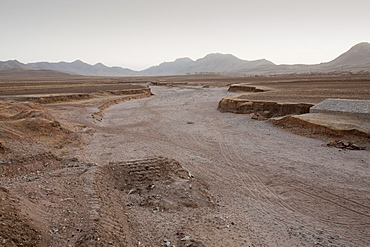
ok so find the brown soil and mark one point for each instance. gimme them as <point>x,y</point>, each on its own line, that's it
<point>171,170</point>
<point>314,91</point>
<point>244,88</point>
<point>328,126</point>
<point>12,222</point>
<point>267,109</point>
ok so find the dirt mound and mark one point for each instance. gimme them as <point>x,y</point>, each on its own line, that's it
<point>51,193</point>
<point>158,183</point>
<point>31,114</point>
<point>3,149</point>
<point>67,202</point>
<point>267,109</point>
<point>35,126</point>
<point>244,88</point>
<point>10,109</point>
<point>28,120</point>
<point>130,192</point>
<point>28,164</point>
<point>60,98</point>
<point>15,228</point>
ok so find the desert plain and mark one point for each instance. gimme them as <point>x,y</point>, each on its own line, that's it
<point>151,161</point>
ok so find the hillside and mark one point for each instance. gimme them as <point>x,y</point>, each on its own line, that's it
<point>80,68</point>
<point>32,73</point>
<point>357,57</point>
<point>211,63</point>
<point>13,64</point>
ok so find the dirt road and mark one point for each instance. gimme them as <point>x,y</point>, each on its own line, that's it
<point>268,187</point>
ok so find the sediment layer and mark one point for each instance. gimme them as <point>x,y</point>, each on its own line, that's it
<point>268,109</point>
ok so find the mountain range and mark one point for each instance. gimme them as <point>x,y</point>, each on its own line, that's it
<point>355,59</point>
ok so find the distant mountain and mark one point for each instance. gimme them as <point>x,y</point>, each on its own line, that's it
<point>212,63</point>
<point>355,59</point>
<point>358,57</point>
<point>217,62</point>
<point>76,68</point>
<point>16,72</point>
<point>178,67</point>
<point>12,64</point>
<point>80,68</point>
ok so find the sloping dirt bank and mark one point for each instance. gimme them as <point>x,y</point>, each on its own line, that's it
<point>30,122</point>
<point>328,126</point>
<point>268,109</point>
<point>67,97</point>
<point>12,221</point>
<point>244,88</point>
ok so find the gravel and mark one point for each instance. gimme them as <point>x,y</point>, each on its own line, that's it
<point>355,107</point>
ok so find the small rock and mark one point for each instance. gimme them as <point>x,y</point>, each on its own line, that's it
<point>258,116</point>
<point>185,238</point>
<point>345,145</point>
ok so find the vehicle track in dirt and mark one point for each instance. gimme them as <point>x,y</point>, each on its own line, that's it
<point>326,202</point>
<point>277,188</point>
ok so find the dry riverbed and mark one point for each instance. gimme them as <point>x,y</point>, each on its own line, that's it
<point>171,170</point>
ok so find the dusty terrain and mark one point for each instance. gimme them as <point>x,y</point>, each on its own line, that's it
<point>171,170</point>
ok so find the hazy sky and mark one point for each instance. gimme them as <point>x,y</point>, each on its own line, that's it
<point>140,33</point>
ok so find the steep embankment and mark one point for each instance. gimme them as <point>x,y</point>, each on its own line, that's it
<point>328,126</point>
<point>266,109</point>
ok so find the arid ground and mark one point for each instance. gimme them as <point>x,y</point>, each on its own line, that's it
<point>114,167</point>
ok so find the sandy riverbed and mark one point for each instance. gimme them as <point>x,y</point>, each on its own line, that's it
<point>171,170</point>
<point>273,188</point>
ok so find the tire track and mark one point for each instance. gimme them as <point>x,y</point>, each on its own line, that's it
<point>336,200</point>
<point>217,155</point>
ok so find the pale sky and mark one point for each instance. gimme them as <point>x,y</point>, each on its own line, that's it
<point>137,34</point>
